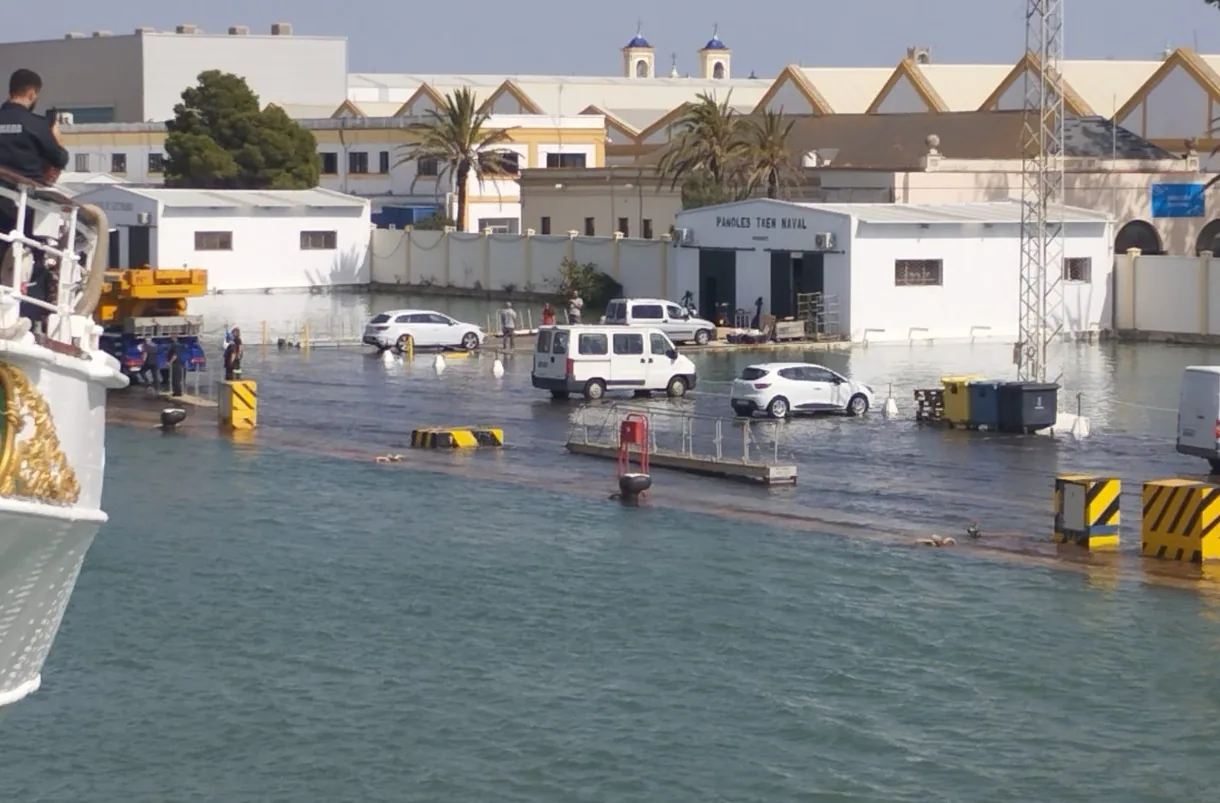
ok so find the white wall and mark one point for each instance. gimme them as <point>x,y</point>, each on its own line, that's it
<point>1167,295</point>
<point>516,262</point>
<point>980,294</point>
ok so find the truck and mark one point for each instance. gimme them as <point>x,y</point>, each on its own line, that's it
<point>150,303</point>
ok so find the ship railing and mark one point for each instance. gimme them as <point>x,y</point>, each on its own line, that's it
<point>75,258</point>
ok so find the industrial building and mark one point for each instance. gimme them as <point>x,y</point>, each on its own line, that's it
<point>886,272</point>
<point>136,77</point>
<point>245,239</point>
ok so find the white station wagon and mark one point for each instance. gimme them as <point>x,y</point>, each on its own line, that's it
<point>427,328</point>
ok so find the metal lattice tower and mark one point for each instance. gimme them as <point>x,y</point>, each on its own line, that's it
<point>1042,200</point>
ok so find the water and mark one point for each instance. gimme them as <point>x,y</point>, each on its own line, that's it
<point>260,623</point>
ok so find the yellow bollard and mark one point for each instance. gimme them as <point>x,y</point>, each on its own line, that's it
<point>305,338</point>
<point>1087,511</point>
<point>238,404</point>
<point>410,351</point>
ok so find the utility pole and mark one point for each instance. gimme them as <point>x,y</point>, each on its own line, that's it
<point>1041,317</point>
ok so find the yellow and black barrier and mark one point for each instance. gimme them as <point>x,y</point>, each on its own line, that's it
<point>1181,520</point>
<point>239,404</point>
<point>1087,511</point>
<point>456,437</point>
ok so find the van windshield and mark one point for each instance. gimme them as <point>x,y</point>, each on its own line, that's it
<point>616,312</point>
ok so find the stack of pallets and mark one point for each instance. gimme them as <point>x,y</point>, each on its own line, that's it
<point>930,405</point>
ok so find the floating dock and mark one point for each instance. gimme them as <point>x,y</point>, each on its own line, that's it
<point>703,465</point>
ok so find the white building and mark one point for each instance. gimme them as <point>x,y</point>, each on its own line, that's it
<point>246,240</point>
<point>887,272</point>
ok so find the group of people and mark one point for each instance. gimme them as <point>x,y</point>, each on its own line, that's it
<point>171,375</point>
<point>510,320</point>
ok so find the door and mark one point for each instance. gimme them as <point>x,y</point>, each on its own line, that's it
<point>660,364</point>
<point>139,246</point>
<point>115,252</point>
<point>823,388</point>
<point>783,299</point>
<point>546,364</point>
<point>1199,411</point>
<point>808,389</point>
<point>717,284</point>
<point>592,356</point>
<point>678,324</point>
<point>808,274</point>
<point>629,362</point>
<point>445,331</point>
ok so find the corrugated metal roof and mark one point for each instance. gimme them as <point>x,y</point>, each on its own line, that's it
<point>964,87</point>
<point>244,199</point>
<point>848,90</point>
<point>929,214</point>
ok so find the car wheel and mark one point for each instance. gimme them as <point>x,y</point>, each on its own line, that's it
<point>559,395</point>
<point>702,337</point>
<point>676,387</point>
<point>858,405</point>
<point>470,341</point>
<point>595,389</point>
<point>403,342</point>
<point>778,408</point>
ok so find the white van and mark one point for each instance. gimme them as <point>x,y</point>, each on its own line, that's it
<point>1199,414</point>
<point>593,359</point>
<point>670,318</point>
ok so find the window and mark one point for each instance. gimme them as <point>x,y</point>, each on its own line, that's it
<point>213,241</point>
<point>382,318</point>
<point>560,344</point>
<point>118,163</point>
<point>811,374</point>
<point>501,163</point>
<point>500,225</point>
<point>427,166</point>
<point>647,229</point>
<point>383,162</point>
<point>622,227</point>
<point>358,163</point>
<point>590,228</point>
<point>443,320</point>
<point>917,272</point>
<point>330,164</point>
<point>156,163</point>
<point>659,343</point>
<point>406,319</point>
<point>544,341</point>
<point>545,225</point>
<point>593,344</point>
<point>616,312</point>
<point>1078,269</point>
<point>629,344</point>
<point>791,373</point>
<point>675,312</point>
<point>575,160</point>
<point>82,163</point>
<point>648,312</point>
<point>90,114</point>
<point>751,374</point>
<point>319,240</point>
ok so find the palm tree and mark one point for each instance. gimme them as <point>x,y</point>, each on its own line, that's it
<point>710,144</point>
<point>458,138</point>
<point>766,159</point>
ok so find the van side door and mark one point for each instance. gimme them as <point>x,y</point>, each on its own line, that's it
<point>629,363</point>
<point>678,324</point>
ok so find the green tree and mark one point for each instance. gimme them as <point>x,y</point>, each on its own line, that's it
<point>705,158</point>
<point>437,221</point>
<point>221,139</point>
<point>457,137</point>
<point>767,163</point>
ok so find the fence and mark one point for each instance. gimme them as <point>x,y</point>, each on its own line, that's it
<point>527,263</point>
<point>682,433</point>
<point>1167,297</point>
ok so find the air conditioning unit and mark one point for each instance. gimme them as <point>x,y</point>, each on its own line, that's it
<point>824,241</point>
<point>143,219</point>
<point>392,226</point>
<point>684,236</point>
<point>186,28</point>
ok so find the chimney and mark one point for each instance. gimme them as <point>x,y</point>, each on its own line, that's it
<point>239,30</point>
<point>145,29</point>
<point>186,28</point>
<point>281,29</point>
<point>100,34</point>
<point>920,55</point>
<point>74,35</point>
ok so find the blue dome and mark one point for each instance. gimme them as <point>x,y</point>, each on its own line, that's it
<point>638,41</point>
<point>715,44</point>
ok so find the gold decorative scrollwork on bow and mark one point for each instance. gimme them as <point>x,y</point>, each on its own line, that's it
<point>32,467</point>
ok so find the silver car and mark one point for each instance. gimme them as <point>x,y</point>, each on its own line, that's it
<point>658,313</point>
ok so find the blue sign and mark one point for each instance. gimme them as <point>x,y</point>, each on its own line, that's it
<point>1178,200</point>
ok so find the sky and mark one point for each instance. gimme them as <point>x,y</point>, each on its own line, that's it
<point>557,37</point>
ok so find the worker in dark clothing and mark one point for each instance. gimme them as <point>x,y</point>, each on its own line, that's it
<point>177,368</point>
<point>148,370</point>
<point>29,146</point>
<point>233,354</point>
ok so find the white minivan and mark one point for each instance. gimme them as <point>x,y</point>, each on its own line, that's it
<point>590,360</point>
<point>670,318</point>
<point>1199,414</point>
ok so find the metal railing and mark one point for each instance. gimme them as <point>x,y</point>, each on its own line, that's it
<point>681,433</point>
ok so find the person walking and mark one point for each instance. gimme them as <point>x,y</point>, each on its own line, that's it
<point>508,326</point>
<point>148,370</point>
<point>233,355</point>
<point>575,305</point>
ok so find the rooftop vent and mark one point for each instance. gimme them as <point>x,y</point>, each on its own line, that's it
<point>100,34</point>
<point>239,30</point>
<point>920,55</point>
<point>74,35</point>
<point>281,29</point>
<point>186,28</point>
<point>145,29</point>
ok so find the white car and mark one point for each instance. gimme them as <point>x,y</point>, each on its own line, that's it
<point>780,388</point>
<point>427,328</point>
<point>670,318</point>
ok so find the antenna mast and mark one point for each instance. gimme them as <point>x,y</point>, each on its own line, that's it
<point>1041,318</point>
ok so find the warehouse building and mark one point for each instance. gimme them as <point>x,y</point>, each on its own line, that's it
<point>885,272</point>
<point>245,239</point>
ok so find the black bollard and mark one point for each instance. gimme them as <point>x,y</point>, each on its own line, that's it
<point>631,486</point>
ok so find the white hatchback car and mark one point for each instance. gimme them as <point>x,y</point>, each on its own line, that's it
<point>428,329</point>
<point>780,388</point>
